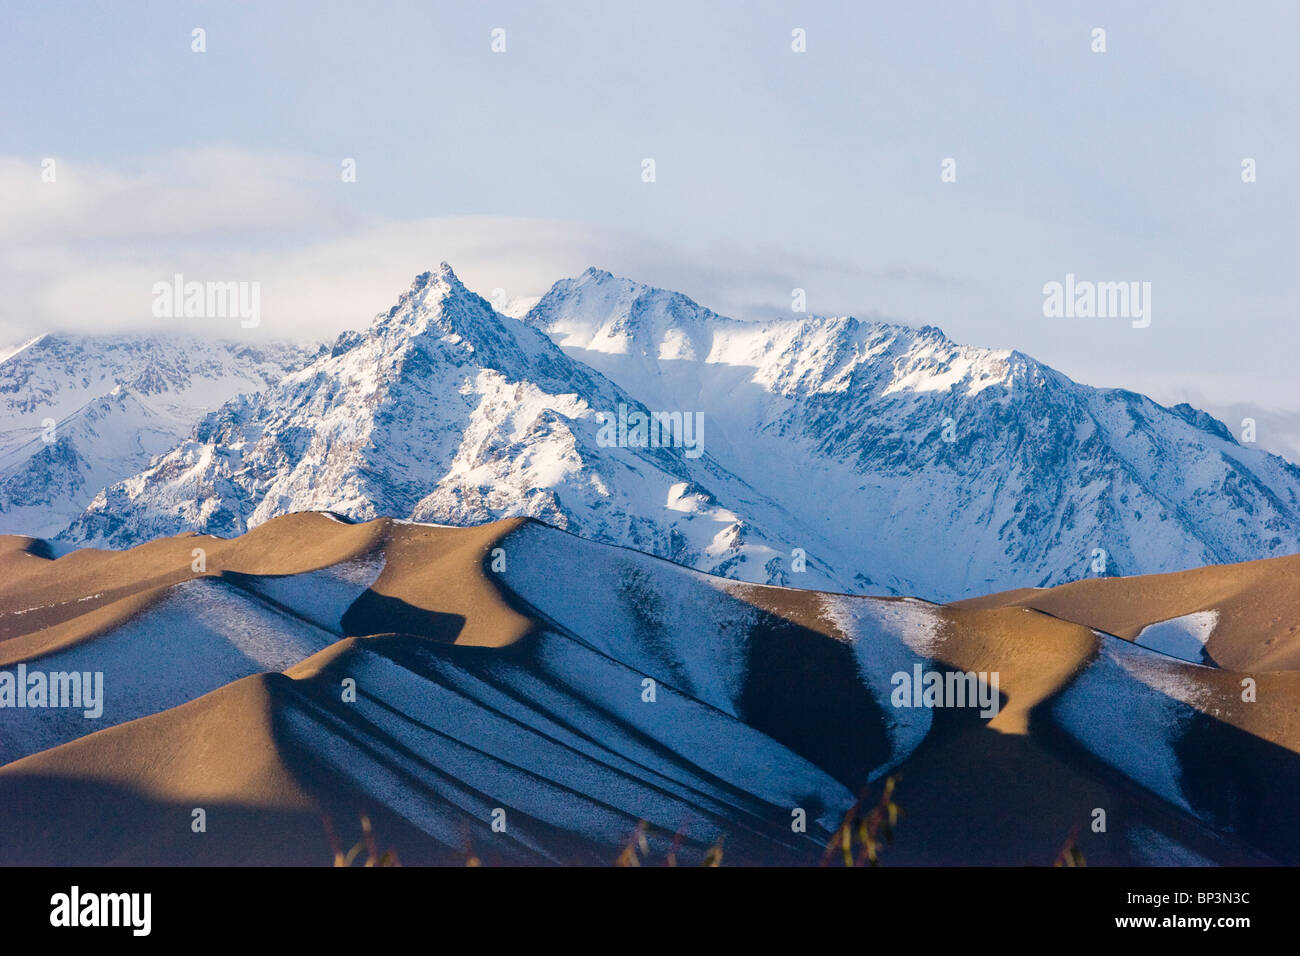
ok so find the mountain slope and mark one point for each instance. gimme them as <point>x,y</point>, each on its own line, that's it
<point>931,467</point>
<point>82,412</point>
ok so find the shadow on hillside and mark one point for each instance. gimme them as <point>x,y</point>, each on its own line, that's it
<point>1237,784</point>
<point>374,613</point>
<point>55,821</point>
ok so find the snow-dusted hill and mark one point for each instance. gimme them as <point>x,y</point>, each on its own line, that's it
<point>892,459</point>
<point>79,412</point>
<point>588,696</point>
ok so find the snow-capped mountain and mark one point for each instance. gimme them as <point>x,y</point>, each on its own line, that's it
<point>446,411</point>
<point>932,467</point>
<point>80,412</point>
<point>881,458</point>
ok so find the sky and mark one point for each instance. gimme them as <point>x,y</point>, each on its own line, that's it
<point>774,169</point>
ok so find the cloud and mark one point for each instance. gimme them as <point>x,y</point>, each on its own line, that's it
<point>180,196</point>
<point>83,252</point>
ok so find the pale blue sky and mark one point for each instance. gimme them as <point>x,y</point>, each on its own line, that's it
<point>775,169</point>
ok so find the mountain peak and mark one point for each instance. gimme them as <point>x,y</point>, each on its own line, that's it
<point>429,290</point>
<point>438,319</point>
<point>625,315</point>
<point>443,276</point>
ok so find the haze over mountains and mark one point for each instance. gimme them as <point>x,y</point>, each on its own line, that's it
<point>896,461</point>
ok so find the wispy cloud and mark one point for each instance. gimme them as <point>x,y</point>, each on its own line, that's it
<point>84,251</point>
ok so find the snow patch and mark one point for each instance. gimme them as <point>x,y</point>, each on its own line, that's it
<point>889,637</point>
<point>1183,637</point>
<point>201,635</point>
<point>323,596</point>
<point>1131,708</point>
